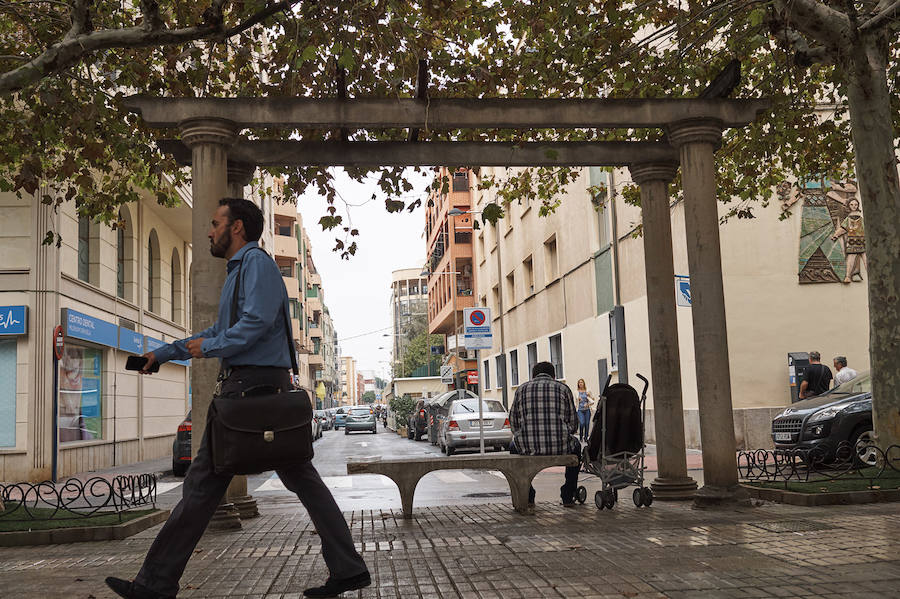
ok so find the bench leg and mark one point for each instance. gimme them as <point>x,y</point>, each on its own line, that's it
<point>407,488</point>
<point>519,483</point>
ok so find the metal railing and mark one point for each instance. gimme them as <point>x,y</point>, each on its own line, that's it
<point>864,461</point>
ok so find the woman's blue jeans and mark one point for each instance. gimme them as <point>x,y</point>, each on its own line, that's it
<point>584,424</point>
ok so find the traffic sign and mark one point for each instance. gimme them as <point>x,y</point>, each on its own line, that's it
<point>447,375</point>
<point>477,328</point>
<point>682,291</point>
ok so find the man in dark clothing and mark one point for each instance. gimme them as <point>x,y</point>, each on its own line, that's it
<point>543,422</point>
<point>817,379</point>
<point>255,352</point>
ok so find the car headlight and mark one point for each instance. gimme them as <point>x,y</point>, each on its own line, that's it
<point>826,414</point>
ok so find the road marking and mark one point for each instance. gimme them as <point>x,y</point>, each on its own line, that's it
<point>498,474</point>
<point>453,477</point>
<point>166,487</point>
<point>338,482</point>
<point>273,484</point>
<point>362,443</point>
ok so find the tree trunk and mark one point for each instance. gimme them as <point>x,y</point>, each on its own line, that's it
<point>879,187</point>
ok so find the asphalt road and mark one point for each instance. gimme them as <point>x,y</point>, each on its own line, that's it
<point>369,491</point>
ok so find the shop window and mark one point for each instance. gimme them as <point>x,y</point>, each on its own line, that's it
<point>7,392</point>
<point>80,394</point>
<point>176,290</point>
<point>556,355</point>
<point>153,273</point>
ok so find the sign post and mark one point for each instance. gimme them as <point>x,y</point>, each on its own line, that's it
<point>477,335</point>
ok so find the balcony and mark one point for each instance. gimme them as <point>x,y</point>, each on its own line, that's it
<point>313,278</point>
<point>285,247</point>
<point>316,360</point>
<point>443,320</point>
<point>288,209</point>
<point>292,290</point>
<point>313,303</point>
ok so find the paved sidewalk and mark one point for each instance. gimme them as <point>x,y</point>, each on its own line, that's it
<point>489,551</point>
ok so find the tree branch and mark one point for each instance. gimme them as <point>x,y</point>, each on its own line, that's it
<point>81,41</point>
<point>150,11</point>
<point>886,13</point>
<point>81,20</point>
<point>812,18</point>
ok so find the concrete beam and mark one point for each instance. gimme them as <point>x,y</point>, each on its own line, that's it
<point>445,113</point>
<point>435,153</point>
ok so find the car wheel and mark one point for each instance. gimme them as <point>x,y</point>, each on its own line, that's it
<point>450,450</point>
<point>346,431</point>
<point>865,452</point>
<point>179,469</point>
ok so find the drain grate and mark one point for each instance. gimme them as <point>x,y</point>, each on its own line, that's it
<point>791,526</point>
<point>489,494</point>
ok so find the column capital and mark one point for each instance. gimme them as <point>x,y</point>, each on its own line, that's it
<point>240,173</point>
<point>645,172</point>
<point>208,131</point>
<point>695,131</point>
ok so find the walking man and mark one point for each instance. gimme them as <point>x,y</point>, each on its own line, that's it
<point>843,373</point>
<point>543,422</point>
<point>255,352</point>
<point>817,378</point>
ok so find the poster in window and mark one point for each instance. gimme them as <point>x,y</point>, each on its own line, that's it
<point>80,414</point>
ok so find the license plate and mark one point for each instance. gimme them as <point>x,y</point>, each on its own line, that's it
<point>783,436</point>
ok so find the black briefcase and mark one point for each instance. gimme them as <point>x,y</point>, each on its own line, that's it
<point>254,433</point>
<point>261,428</point>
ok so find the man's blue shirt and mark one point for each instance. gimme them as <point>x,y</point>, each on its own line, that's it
<point>258,337</point>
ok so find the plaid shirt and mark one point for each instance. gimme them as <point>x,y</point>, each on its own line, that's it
<point>543,417</point>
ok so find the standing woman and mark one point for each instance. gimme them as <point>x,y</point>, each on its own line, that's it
<point>585,401</point>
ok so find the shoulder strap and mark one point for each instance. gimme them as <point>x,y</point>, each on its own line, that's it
<point>287,325</point>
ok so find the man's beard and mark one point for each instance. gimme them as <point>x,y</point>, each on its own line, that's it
<point>220,249</point>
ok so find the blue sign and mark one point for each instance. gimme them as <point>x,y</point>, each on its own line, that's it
<point>682,291</point>
<point>88,328</point>
<point>152,344</point>
<point>131,341</point>
<point>13,320</point>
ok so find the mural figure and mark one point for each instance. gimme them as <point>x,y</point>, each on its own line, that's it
<point>832,238</point>
<point>852,229</point>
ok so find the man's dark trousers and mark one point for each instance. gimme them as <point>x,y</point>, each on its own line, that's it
<point>203,490</point>
<point>567,491</point>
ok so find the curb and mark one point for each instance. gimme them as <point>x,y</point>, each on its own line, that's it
<point>816,499</point>
<point>83,534</point>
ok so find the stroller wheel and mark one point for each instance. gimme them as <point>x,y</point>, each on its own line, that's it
<point>581,494</point>
<point>647,496</point>
<point>638,497</point>
<point>609,498</point>
<point>598,500</point>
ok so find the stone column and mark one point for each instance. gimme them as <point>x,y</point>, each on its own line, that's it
<point>697,140</point>
<point>239,175</point>
<point>672,481</point>
<point>209,140</point>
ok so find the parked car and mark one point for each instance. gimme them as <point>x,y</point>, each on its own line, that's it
<point>181,448</point>
<point>360,418</point>
<point>331,414</point>
<point>843,414</point>
<point>340,416</point>
<point>461,428</point>
<point>316,427</point>
<point>323,419</point>
<point>417,423</point>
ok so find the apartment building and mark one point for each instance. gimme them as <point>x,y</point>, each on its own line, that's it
<point>552,282</point>
<point>69,318</point>
<point>409,304</point>
<point>449,266</point>
<point>349,385</point>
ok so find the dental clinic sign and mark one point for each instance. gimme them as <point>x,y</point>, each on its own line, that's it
<point>13,320</point>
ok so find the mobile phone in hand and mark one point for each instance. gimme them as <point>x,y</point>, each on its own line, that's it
<point>137,363</point>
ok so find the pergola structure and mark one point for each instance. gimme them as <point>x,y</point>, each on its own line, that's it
<point>222,160</point>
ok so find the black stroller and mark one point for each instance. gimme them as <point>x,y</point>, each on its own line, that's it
<point>615,451</point>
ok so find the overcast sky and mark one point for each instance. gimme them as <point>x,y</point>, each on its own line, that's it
<point>357,291</point>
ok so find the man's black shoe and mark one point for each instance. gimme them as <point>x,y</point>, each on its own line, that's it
<point>131,590</point>
<point>335,586</point>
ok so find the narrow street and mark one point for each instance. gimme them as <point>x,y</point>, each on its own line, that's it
<point>373,492</point>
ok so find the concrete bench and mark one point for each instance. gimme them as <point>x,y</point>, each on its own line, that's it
<point>519,471</point>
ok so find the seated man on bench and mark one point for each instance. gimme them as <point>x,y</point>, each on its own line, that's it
<point>544,422</point>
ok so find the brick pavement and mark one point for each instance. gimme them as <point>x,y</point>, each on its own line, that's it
<point>488,551</point>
